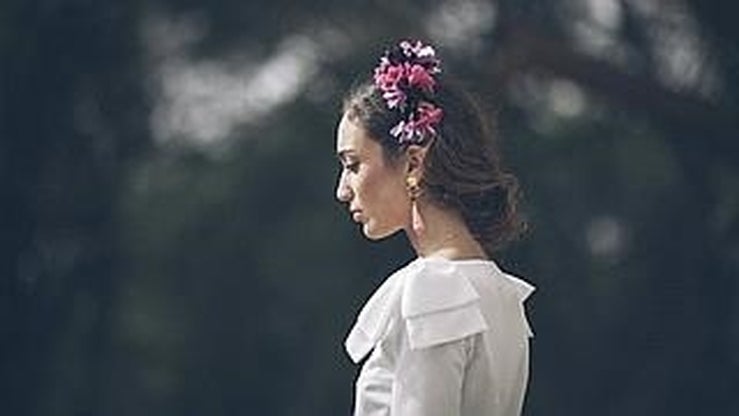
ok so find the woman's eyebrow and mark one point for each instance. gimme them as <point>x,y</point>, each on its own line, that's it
<point>343,154</point>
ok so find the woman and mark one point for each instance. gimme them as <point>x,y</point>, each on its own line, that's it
<point>447,334</point>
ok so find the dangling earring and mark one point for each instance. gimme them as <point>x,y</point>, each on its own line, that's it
<point>414,192</point>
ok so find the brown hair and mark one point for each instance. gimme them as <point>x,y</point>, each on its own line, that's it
<point>462,168</point>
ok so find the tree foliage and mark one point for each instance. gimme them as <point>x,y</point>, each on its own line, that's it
<point>170,242</point>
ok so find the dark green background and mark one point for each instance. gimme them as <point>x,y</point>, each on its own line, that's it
<point>145,272</point>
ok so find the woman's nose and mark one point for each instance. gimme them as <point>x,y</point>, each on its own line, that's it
<point>343,192</point>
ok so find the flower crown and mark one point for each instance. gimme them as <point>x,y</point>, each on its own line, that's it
<point>405,77</point>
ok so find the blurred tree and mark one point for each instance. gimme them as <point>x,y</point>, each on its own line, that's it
<point>171,245</point>
<point>72,108</point>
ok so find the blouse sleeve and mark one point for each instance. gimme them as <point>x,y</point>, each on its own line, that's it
<point>440,305</point>
<point>441,317</point>
<point>429,380</point>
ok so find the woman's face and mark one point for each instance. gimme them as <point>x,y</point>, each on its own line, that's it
<point>373,189</point>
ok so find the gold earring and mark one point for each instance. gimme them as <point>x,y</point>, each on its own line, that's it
<point>414,191</point>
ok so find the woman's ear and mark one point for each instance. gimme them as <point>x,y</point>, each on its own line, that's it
<point>415,156</point>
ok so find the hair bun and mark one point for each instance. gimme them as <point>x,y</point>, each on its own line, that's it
<point>491,213</point>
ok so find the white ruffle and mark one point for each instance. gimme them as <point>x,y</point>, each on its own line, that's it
<point>375,316</point>
<point>437,303</point>
<point>523,290</point>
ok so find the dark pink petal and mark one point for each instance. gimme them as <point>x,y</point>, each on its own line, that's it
<point>428,117</point>
<point>420,78</point>
<point>389,78</point>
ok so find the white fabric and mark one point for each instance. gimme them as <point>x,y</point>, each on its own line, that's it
<point>447,337</point>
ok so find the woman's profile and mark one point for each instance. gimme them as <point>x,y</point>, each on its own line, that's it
<point>447,333</point>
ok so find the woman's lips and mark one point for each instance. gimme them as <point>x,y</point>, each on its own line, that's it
<point>357,215</point>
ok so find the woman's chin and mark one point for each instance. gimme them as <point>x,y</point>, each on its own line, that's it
<point>374,233</point>
<point>369,233</point>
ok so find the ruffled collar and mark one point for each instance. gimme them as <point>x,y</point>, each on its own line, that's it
<point>375,315</point>
<point>422,286</point>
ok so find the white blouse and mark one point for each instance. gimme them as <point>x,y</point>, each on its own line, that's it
<point>448,337</point>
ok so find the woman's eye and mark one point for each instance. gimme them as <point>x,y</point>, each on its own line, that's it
<point>353,167</point>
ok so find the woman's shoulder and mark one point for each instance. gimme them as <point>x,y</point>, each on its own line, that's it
<point>433,285</point>
<point>435,300</point>
<point>452,282</point>
<point>439,304</point>
<point>444,300</point>
<point>377,314</point>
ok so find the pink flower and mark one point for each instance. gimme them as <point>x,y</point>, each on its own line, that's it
<point>407,132</point>
<point>425,51</point>
<point>417,49</point>
<point>420,125</point>
<point>407,47</point>
<point>394,98</point>
<point>428,117</point>
<point>398,130</point>
<point>402,79</point>
<point>419,77</point>
<point>388,78</point>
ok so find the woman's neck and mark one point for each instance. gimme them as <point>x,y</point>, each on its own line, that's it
<point>444,235</point>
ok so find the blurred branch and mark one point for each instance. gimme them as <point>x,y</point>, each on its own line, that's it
<point>526,48</point>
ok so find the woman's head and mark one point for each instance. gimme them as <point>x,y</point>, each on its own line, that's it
<point>460,164</point>
<point>371,186</point>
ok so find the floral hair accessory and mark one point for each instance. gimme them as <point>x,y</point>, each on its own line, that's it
<point>405,77</point>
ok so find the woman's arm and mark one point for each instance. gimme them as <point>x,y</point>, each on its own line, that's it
<point>428,381</point>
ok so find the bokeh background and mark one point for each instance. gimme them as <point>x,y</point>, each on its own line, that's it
<point>170,245</point>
